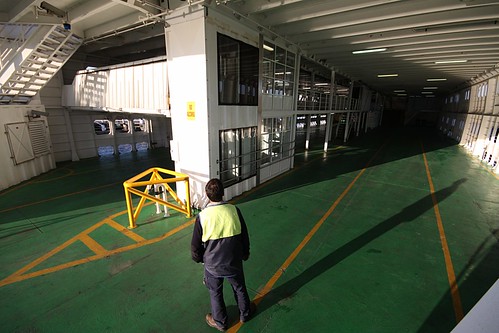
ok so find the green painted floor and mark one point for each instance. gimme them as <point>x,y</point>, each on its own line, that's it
<point>373,260</point>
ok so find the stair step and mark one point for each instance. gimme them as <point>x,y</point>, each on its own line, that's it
<point>40,54</point>
<point>46,47</point>
<point>62,54</point>
<point>58,33</point>
<point>53,40</point>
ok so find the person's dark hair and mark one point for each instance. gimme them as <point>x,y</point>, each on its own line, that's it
<point>215,190</point>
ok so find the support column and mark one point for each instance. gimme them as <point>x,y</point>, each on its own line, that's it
<point>328,129</point>
<point>69,129</point>
<point>359,115</point>
<point>307,138</point>
<point>347,125</point>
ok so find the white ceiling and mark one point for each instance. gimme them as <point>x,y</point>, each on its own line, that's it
<point>415,33</point>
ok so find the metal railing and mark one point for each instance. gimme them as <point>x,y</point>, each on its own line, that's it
<point>12,37</point>
<point>156,189</point>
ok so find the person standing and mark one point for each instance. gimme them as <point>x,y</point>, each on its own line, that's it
<point>220,241</point>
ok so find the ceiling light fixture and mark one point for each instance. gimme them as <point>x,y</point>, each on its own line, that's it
<point>432,88</point>
<point>268,48</point>
<point>399,91</point>
<point>450,61</point>
<point>388,75</point>
<point>369,50</point>
<point>434,80</point>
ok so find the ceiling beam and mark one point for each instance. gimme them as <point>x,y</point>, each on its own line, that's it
<point>21,9</point>
<point>144,6</point>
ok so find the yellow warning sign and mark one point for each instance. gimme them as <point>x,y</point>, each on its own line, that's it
<point>191,110</point>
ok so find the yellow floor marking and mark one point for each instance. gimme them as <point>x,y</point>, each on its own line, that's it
<point>489,171</point>
<point>21,274</point>
<point>57,197</point>
<point>268,286</point>
<point>125,231</point>
<point>93,245</point>
<point>451,276</point>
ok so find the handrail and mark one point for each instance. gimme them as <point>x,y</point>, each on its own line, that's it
<point>12,37</point>
<point>132,185</point>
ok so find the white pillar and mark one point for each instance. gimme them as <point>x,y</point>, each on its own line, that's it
<point>307,140</point>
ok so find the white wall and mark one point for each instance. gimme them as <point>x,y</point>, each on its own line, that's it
<point>140,87</point>
<point>188,86</point>
<point>144,95</point>
<point>476,122</point>
<point>13,174</point>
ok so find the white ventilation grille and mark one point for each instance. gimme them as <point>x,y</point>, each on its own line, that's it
<point>39,138</point>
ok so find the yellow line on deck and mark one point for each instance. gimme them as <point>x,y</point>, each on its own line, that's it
<point>21,274</point>
<point>57,197</point>
<point>125,231</point>
<point>451,276</point>
<point>268,286</point>
<point>93,245</point>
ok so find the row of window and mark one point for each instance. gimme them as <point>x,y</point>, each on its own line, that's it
<point>238,71</point>
<point>239,155</point>
<point>122,125</point>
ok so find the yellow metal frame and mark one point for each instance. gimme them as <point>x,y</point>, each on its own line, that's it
<point>131,187</point>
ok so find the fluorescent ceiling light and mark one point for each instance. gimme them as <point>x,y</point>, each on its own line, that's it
<point>369,50</point>
<point>399,91</point>
<point>450,61</point>
<point>268,48</point>
<point>428,88</point>
<point>427,92</point>
<point>401,94</point>
<point>322,84</point>
<point>433,80</point>
<point>388,75</point>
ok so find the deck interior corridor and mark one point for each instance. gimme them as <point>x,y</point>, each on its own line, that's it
<point>368,237</point>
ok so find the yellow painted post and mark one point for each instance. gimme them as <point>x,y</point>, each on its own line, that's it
<point>188,197</point>
<point>128,197</point>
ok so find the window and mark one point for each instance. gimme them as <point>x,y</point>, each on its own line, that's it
<point>101,126</point>
<point>237,154</point>
<point>139,125</point>
<point>276,139</point>
<point>278,70</point>
<point>237,72</point>
<point>122,125</point>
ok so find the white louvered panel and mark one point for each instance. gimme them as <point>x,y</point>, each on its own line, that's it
<point>39,139</point>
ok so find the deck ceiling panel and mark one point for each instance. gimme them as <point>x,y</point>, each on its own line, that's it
<point>415,33</point>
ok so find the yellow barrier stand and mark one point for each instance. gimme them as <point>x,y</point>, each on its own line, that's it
<point>131,187</point>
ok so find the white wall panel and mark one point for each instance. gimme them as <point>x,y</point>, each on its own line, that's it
<point>13,174</point>
<point>188,86</point>
<point>131,86</point>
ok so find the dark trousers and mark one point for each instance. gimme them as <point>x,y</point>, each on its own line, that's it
<point>215,287</point>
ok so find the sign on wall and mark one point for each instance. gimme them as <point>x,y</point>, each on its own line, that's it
<point>191,110</point>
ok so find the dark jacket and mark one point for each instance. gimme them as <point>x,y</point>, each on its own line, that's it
<point>220,239</point>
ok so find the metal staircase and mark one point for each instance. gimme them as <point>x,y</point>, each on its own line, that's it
<point>37,59</point>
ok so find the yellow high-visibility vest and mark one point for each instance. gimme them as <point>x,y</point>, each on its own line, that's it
<point>220,221</point>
